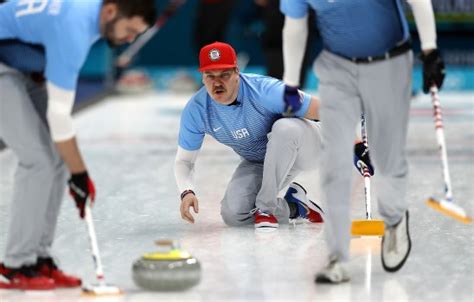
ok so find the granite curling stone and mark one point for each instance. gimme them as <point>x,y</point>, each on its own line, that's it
<point>169,269</point>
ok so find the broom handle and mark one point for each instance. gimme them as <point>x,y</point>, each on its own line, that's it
<point>438,119</point>
<point>124,59</point>
<point>93,241</point>
<point>368,205</point>
<point>367,193</point>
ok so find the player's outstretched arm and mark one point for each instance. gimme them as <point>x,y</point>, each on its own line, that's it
<point>433,65</point>
<point>295,33</point>
<point>59,118</point>
<point>183,172</point>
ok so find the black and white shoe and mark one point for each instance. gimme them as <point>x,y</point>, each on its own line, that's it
<point>334,273</point>
<point>396,245</point>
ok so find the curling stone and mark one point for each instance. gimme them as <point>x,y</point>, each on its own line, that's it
<point>168,269</point>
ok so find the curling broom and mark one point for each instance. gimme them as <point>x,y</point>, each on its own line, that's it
<point>101,288</point>
<point>368,226</point>
<point>446,204</point>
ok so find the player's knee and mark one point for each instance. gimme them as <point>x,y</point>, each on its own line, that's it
<point>229,219</point>
<point>232,217</point>
<point>287,129</point>
<point>392,168</point>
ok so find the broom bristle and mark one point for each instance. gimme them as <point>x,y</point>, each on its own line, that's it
<point>101,290</point>
<point>450,209</point>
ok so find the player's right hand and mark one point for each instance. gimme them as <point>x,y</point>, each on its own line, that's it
<point>433,70</point>
<point>81,188</point>
<point>292,100</point>
<point>189,200</point>
<point>362,159</point>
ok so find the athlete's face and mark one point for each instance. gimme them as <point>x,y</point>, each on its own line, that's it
<point>123,30</point>
<point>116,29</point>
<point>222,84</point>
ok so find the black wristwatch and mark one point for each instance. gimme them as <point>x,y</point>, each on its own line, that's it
<point>186,192</point>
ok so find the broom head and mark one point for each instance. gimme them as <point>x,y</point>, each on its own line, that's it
<point>367,227</point>
<point>101,289</point>
<point>449,208</point>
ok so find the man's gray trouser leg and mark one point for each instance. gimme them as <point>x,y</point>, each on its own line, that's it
<point>340,113</point>
<point>388,103</point>
<point>382,90</point>
<point>293,146</point>
<point>40,175</point>
<point>240,195</point>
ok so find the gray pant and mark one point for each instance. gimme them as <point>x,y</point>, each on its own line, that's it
<point>293,146</point>
<point>40,176</point>
<point>382,91</point>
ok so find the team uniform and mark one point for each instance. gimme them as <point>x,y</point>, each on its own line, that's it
<point>43,45</point>
<point>273,149</point>
<point>365,66</point>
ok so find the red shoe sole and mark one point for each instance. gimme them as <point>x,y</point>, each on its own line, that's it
<point>19,286</point>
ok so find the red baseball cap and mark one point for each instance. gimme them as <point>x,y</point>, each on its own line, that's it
<point>217,55</point>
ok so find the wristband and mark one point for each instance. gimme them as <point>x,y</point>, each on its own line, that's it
<point>186,192</point>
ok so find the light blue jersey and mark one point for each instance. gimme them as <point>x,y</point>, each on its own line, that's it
<point>354,28</point>
<point>243,127</point>
<point>63,32</point>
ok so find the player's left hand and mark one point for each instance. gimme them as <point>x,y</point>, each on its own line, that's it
<point>433,70</point>
<point>362,159</point>
<point>187,201</point>
<point>292,100</point>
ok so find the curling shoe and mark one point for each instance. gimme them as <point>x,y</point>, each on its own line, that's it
<point>301,208</point>
<point>334,273</point>
<point>25,277</point>
<point>396,245</point>
<point>47,268</point>
<point>264,220</point>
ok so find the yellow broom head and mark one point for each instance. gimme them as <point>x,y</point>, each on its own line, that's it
<point>368,227</point>
<point>450,209</point>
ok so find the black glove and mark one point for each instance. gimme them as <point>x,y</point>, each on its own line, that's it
<point>81,188</point>
<point>433,70</point>
<point>292,100</point>
<point>362,159</point>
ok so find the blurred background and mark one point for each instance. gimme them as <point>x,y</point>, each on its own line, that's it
<point>253,27</point>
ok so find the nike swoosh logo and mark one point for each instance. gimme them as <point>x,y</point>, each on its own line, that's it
<point>216,129</point>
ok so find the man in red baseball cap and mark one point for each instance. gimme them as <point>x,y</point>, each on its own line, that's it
<point>244,111</point>
<point>219,61</point>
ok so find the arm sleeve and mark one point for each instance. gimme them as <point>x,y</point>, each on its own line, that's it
<point>65,55</point>
<point>294,8</point>
<point>60,102</point>
<point>425,22</point>
<point>191,130</point>
<point>295,33</point>
<point>184,169</point>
